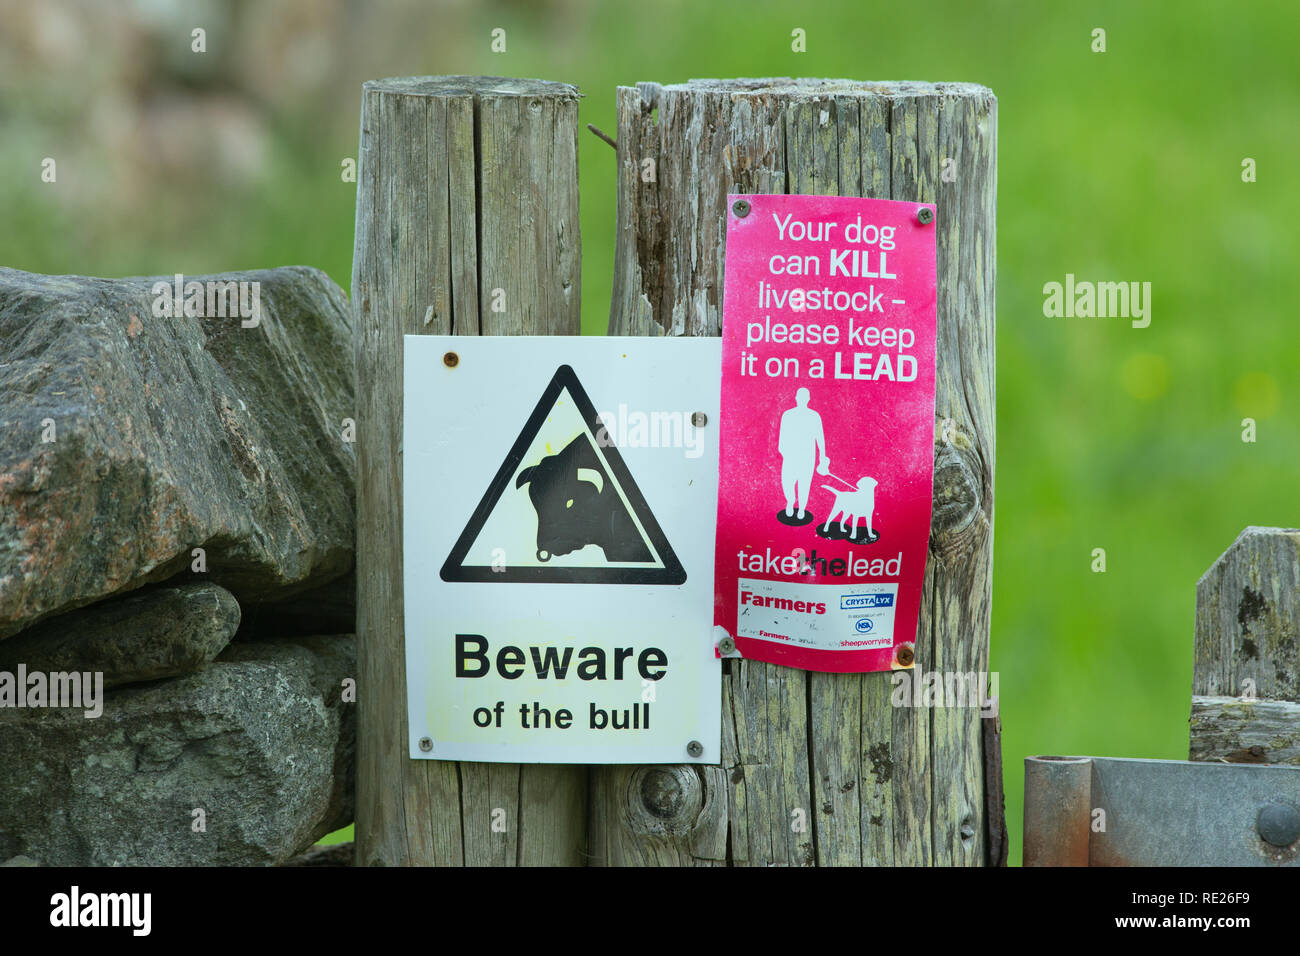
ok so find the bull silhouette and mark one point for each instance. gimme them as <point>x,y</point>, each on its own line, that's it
<point>577,505</point>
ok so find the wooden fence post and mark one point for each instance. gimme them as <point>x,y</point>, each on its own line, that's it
<point>872,784</point>
<point>467,223</point>
<point>1246,683</point>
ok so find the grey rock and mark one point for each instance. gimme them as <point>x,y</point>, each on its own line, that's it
<point>20,861</point>
<point>162,632</point>
<point>336,854</point>
<point>260,741</point>
<point>170,434</point>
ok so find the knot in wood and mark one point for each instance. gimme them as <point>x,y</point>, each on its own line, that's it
<point>664,801</point>
<point>958,494</point>
<point>662,793</point>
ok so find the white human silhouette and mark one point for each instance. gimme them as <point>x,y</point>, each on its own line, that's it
<point>800,441</point>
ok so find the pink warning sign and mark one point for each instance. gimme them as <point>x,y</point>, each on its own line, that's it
<point>827,429</point>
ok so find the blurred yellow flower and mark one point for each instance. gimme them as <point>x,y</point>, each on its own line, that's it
<point>1256,394</point>
<point>1145,376</point>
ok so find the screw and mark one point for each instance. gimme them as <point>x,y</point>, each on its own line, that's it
<point>905,654</point>
<point>695,748</point>
<point>925,215</point>
<point>741,208</point>
<point>699,419</point>
<point>1278,823</point>
<point>451,360</point>
<point>727,646</point>
<point>426,744</point>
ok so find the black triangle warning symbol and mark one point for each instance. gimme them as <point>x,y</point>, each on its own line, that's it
<point>576,516</point>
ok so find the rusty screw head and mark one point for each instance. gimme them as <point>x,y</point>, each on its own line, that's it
<point>1278,823</point>
<point>905,655</point>
<point>699,419</point>
<point>741,208</point>
<point>426,744</point>
<point>451,360</point>
<point>695,748</point>
<point>925,215</point>
<point>726,646</point>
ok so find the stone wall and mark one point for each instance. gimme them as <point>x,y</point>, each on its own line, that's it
<point>176,548</point>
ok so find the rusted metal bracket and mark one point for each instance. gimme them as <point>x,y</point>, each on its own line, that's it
<point>1111,811</point>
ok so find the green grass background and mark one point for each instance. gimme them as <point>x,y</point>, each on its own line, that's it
<point>1117,166</point>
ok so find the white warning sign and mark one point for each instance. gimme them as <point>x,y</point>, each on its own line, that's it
<point>559,498</point>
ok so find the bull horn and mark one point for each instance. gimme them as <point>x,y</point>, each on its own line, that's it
<point>593,476</point>
<point>525,476</point>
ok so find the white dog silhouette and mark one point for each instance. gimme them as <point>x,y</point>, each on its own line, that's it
<point>852,505</point>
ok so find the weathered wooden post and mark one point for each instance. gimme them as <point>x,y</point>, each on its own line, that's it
<point>467,223</point>
<point>1246,684</point>
<point>874,784</point>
